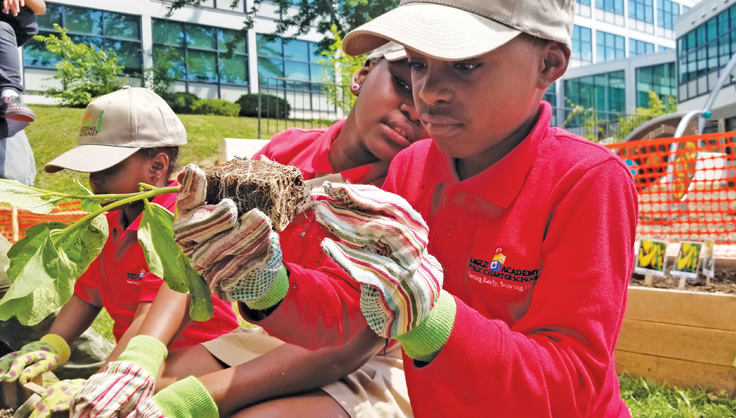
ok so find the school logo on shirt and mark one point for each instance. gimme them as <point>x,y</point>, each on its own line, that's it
<point>497,267</point>
<point>135,278</point>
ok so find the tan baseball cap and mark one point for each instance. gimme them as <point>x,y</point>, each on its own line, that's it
<point>118,124</point>
<point>462,29</point>
<point>390,51</point>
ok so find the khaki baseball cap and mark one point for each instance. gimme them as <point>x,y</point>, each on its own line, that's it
<point>462,29</point>
<point>118,124</point>
<point>390,51</point>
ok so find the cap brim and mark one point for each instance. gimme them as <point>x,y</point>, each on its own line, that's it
<point>89,158</point>
<point>442,32</point>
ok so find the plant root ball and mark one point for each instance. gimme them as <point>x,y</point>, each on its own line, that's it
<point>277,190</point>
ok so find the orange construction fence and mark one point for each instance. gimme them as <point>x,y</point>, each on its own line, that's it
<point>15,221</point>
<point>686,185</point>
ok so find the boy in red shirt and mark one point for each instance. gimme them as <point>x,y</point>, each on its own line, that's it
<point>530,229</point>
<point>128,137</point>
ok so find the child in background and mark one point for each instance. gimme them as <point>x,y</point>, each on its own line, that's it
<point>17,26</point>
<point>288,380</point>
<point>128,137</point>
<point>532,228</point>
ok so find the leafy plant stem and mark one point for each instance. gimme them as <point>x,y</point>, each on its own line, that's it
<point>131,197</point>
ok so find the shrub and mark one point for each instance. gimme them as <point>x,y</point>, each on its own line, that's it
<point>180,102</point>
<point>215,107</point>
<point>84,71</point>
<point>271,106</point>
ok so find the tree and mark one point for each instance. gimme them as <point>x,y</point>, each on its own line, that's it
<point>164,73</point>
<point>346,67</point>
<point>85,72</point>
<point>298,17</point>
<point>655,108</point>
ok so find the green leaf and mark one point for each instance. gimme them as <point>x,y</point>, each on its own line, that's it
<point>87,204</point>
<point>200,308</point>
<point>45,265</point>
<point>166,260</point>
<point>83,244</point>
<point>24,197</point>
<point>22,251</point>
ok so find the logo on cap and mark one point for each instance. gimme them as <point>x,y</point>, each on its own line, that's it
<point>90,127</point>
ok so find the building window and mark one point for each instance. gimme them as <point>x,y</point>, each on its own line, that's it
<point>582,45</point>
<point>613,6</point>
<point>657,78</point>
<point>637,47</point>
<point>667,11</point>
<point>703,51</point>
<point>200,53</point>
<point>606,93</point>
<point>290,63</point>
<point>582,8</point>
<point>609,47</point>
<point>100,29</point>
<point>642,10</point>
<point>222,5</point>
<point>661,48</point>
<point>550,96</point>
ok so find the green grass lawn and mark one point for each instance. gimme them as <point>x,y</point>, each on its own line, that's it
<point>56,130</point>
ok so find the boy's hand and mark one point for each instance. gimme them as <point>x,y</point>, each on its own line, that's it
<point>114,392</point>
<point>124,385</point>
<point>56,398</point>
<point>34,359</point>
<point>240,258</point>
<point>384,249</point>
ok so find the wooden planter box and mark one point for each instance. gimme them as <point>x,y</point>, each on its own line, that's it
<point>684,339</point>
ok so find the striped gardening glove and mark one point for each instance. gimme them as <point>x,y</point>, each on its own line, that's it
<point>124,384</point>
<point>384,248</point>
<point>240,258</point>
<point>34,359</point>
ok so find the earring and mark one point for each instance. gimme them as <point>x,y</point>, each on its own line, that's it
<point>355,87</point>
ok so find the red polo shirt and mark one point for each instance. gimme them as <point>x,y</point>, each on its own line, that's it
<point>538,251</point>
<point>308,149</point>
<point>119,280</point>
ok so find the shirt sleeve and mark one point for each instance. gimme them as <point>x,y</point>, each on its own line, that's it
<point>559,355</point>
<point>321,308</point>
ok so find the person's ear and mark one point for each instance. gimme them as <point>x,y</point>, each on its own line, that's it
<point>555,59</point>
<point>359,78</point>
<point>160,167</point>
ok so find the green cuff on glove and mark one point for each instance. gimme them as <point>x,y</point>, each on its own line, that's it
<point>424,341</point>
<point>187,398</point>
<point>275,294</point>
<point>146,352</point>
<point>59,344</point>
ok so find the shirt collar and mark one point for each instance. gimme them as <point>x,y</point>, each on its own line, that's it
<point>500,183</point>
<point>167,200</point>
<point>320,162</point>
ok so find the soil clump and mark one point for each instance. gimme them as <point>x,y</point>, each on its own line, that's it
<point>276,189</point>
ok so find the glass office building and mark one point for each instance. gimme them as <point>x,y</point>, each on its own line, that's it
<point>607,30</point>
<point>621,50</point>
<point>208,51</point>
<point>706,41</point>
